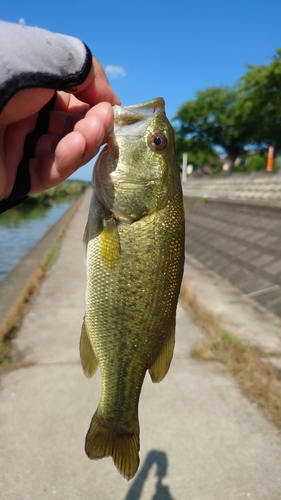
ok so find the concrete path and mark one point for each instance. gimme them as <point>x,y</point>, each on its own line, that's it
<point>200,439</point>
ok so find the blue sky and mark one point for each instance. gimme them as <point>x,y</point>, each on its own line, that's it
<point>169,48</point>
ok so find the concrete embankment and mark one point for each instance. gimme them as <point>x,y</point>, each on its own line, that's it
<point>20,283</point>
<point>233,226</point>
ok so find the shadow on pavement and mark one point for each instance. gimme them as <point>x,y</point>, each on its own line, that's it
<point>161,490</point>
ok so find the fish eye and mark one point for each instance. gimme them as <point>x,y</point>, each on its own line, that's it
<point>157,141</point>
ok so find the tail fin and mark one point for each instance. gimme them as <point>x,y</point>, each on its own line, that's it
<point>103,440</point>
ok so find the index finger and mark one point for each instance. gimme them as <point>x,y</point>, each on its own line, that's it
<point>96,87</point>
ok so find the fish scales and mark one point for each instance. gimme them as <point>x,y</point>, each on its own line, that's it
<point>135,252</point>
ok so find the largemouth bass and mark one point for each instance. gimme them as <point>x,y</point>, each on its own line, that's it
<point>135,254</point>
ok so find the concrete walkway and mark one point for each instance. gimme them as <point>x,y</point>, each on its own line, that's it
<point>200,439</point>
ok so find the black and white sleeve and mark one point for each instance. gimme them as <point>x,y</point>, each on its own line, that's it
<point>33,57</point>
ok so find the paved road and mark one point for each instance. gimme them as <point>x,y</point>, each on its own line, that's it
<point>200,439</point>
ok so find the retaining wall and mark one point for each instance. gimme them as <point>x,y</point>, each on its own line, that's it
<point>237,235</point>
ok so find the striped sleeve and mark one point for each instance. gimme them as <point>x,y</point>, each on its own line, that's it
<point>34,57</point>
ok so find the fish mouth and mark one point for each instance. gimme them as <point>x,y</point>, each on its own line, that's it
<point>132,120</point>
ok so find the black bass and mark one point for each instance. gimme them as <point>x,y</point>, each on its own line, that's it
<point>135,255</point>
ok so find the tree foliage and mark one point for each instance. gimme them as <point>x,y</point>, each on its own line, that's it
<point>259,102</point>
<point>232,118</point>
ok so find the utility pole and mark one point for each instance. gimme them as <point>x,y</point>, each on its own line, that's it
<point>184,167</point>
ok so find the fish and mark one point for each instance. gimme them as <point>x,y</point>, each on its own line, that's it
<point>134,241</point>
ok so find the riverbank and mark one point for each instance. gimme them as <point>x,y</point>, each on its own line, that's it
<point>22,281</point>
<point>67,189</point>
<point>21,227</point>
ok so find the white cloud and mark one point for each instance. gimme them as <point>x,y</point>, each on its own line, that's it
<point>22,21</point>
<point>115,71</point>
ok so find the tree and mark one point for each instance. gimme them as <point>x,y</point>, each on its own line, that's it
<point>199,153</point>
<point>209,121</point>
<point>231,118</point>
<point>259,102</point>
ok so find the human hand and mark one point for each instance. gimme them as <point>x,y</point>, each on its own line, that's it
<point>80,122</point>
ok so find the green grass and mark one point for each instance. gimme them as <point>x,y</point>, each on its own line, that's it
<point>67,189</point>
<point>228,340</point>
<point>52,255</point>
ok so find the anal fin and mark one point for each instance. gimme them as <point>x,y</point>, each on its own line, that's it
<point>162,363</point>
<point>89,360</point>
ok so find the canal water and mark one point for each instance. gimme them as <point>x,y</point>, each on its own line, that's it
<point>22,227</point>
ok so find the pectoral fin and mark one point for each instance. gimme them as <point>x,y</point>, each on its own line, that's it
<point>109,243</point>
<point>89,360</point>
<point>85,241</point>
<point>161,366</point>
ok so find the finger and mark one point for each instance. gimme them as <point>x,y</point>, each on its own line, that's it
<point>104,113</point>
<point>61,123</point>
<point>46,144</point>
<point>96,87</point>
<point>53,168</point>
<point>69,103</point>
<point>73,151</point>
<point>25,103</point>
